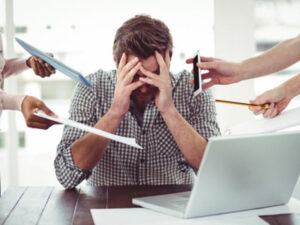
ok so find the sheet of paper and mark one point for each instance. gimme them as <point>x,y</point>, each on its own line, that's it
<point>284,120</point>
<point>141,216</point>
<point>125,140</point>
<point>292,207</point>
<point>75,75</point>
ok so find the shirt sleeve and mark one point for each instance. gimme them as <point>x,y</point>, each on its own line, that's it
<point>82,110</point>
<point>203,119</point>
<point>203,115</point>
<point>14,66</point>
<point>10,101</point>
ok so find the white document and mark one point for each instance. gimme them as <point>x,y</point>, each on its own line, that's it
<point>125,140</point>
<point>284,120</point>
<point>141,216</point>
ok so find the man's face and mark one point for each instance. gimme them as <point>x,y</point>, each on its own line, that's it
<point>146,92</point>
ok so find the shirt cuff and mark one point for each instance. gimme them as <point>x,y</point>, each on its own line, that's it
<point>70,164</point>
<point>11,101</point>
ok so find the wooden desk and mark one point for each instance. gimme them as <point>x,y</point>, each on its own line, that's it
<point>56,206</point>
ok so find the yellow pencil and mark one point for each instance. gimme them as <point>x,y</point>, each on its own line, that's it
<point>241,103</point>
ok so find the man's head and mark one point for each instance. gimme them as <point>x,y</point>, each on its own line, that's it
<point>141,36</point>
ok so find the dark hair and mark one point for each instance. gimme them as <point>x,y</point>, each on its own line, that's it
<point>141,36</point>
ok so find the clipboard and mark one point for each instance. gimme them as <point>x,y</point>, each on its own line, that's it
<point>73,74</point>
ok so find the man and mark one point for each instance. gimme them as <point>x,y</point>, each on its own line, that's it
<point>140,99</point>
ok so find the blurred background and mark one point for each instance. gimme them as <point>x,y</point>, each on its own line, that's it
<point>80,34</point>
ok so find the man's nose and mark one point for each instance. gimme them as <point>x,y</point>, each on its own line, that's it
<point>144,88</point>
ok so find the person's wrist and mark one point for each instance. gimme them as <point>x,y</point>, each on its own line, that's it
<point>27,62</point>
<point>242,72</point>
<point>21,101</point>
<point>115,114</point>
<point>168,112</point>
<point>286,90</point>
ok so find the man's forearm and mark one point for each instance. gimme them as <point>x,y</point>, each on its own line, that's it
<point>277,58</point>
<point>89,149</point>
<point>191,144</point>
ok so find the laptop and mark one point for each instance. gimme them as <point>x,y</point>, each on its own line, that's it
<point>237,173</point>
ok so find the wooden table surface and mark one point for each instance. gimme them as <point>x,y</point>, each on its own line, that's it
<point>56,206</point>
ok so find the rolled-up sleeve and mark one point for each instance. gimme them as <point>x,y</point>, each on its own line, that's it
<point>82,110</point>
<point>203,115</point>
<point>203,119</point>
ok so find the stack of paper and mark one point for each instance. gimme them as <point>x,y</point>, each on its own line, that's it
<point>141,216</point>
<point>284,120</point>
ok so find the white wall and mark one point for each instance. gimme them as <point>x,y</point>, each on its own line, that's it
<point>234,41</point>
<point>11,136</point>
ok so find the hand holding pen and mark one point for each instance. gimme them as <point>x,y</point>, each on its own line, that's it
<point>277,99</point>
<point>270,103</point>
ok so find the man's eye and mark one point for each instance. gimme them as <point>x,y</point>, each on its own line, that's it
<point>136,77</point>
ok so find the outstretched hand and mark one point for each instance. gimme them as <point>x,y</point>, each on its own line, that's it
<point>29,106</point>
<point>219,72</point>
<point>276,99</point>
<point>40,67</point>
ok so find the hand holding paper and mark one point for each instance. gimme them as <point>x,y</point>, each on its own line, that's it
<point>75,75</point>
<point>28,108</point>
<point>125,140</point>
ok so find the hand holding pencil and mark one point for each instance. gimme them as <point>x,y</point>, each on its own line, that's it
<point>276,98</point>
<point>270,103</point>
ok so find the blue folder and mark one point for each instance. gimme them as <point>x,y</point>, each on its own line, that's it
<point>73,74</point>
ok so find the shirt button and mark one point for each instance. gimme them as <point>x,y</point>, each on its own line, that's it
<point>183,170</point>
<point>143,161</point>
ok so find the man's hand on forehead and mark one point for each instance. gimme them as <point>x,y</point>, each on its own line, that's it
<point>163,98</point>
<point>124,85</point>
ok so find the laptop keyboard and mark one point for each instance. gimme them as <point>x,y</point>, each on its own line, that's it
<point>179,202</point>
